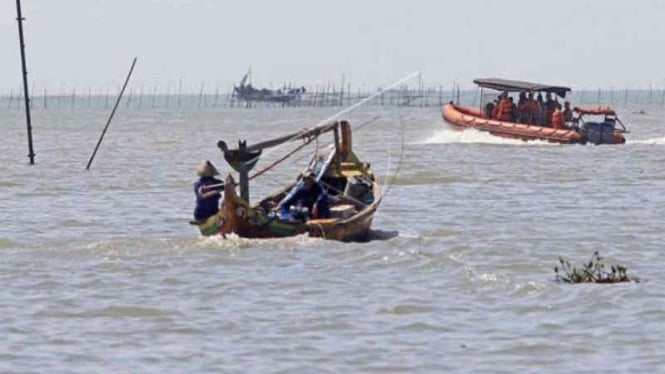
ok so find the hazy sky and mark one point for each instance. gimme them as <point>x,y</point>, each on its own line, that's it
<point>90,43</point>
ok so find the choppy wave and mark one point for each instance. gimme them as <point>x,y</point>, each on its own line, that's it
<point>8,243</point>
<point>461,257</point>
<point>420,178</point>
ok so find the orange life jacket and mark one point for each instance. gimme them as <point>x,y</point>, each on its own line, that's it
<point>557,119</point>
<point>505,110</point>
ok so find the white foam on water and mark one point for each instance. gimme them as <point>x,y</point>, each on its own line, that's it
<point>651,141</point>
<point>473,136</point>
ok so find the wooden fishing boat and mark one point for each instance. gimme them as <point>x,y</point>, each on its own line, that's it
<point>246,92</point>
<point>353,193</point>
<point>585,126</point>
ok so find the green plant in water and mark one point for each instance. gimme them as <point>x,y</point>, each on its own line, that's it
<point>592,272</point>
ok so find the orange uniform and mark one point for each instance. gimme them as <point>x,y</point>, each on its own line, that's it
<point>557,119</point>
<point>505,110</point>
<point>531,109</point>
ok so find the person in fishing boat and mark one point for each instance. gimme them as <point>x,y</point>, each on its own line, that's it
<point>311,199</point>
<point>208,190</point>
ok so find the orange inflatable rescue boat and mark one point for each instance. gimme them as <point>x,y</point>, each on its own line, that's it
<point>534,121</point>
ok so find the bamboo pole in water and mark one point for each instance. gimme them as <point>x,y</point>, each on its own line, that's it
<point>612,95</point>
<point>112,113</point>
<point>19,18</point>
<point>341,91</point>
<point>179,92</point>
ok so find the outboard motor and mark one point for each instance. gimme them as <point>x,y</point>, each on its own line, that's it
<point>598,132</point>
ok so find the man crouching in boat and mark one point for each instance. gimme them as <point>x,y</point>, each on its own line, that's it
<point>309,201</point>
<point>208,190</point>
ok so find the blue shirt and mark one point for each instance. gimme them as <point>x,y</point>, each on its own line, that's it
<point>307,198</point>
<point>206,207</point>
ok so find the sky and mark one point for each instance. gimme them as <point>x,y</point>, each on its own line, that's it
<point>88,45</point>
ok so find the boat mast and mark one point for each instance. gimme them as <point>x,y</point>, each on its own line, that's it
<point>244,174</point>
<point>19,18</point>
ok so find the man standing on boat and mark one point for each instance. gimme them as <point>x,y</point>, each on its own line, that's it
<point>208,190</point>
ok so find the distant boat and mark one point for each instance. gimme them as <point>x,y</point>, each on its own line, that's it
<point>354,194</point>
<point>244,91</point>
<point>596,125</point>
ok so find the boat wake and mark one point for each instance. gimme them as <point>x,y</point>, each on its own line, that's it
<point>652,141</point>
<point>233,241</point>
<point>472,136</point>
<point>291,242</point>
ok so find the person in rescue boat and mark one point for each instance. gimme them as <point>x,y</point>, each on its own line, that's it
<point>530,110</point>
<point>521,110</point>
<point>505,112</point>
<point>557,119</point>
<point>489,110</point>
<point>513,109</point>
<point>208,191</point>
<point>495,110</point>
<point>541,111</point>
<point>550,105</point>
<point>567,113</point>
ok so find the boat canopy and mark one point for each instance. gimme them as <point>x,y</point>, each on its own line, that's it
<point>514,86</point>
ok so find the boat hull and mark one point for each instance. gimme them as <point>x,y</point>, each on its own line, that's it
<point>236,216</point>
<point>461,117</point>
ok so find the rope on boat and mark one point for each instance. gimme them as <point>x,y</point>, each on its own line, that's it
<point>368,122</point>
<point>330,119</point>
<point>399,161</point>
<point>306,143</point>
<point>352,107</point>
<point>269,167</point>
<point>342,193</point>
<point>308,140</point>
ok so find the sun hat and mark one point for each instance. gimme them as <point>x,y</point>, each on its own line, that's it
<point>206,169</point>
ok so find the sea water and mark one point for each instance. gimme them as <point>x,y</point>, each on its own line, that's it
<point>101,271</point>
